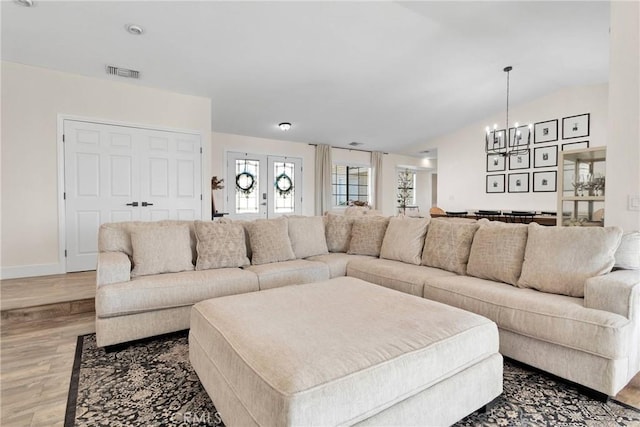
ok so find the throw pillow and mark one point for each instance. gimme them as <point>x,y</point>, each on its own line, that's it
<point>404,240</point>
<point>448,244</point>
<point>559,260</point>
<point>307,236</point>
<point>628,253</point>
<point>338,232</point>
<point>161,249</point>
<point>367,235</point>
<point>269,239</point>
<point>497,251</point>
<point>220,245</point>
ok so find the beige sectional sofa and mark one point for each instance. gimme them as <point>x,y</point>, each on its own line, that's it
<point>550,290</point>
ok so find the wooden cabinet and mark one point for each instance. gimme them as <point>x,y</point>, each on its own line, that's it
<point>581,187</point>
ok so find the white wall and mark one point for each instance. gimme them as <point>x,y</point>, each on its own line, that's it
<point>462,160</point>
<point>32,99</point>
<point>623,151</point>
<point>223,143</point>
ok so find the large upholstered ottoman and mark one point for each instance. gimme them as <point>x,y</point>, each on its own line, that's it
<point>342,352</point>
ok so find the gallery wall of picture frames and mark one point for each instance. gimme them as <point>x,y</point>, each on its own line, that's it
<point>548,138</point>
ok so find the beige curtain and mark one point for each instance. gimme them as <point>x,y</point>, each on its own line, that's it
<point>376,164</point>
<point>323,178</point>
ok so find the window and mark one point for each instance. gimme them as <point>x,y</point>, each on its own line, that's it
<point>406,188</point>
<point>350,183</point>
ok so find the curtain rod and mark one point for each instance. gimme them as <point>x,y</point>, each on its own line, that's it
<point>350,149</point>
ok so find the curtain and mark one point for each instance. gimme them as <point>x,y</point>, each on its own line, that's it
<point>323,178</point>
<point>376,164</point>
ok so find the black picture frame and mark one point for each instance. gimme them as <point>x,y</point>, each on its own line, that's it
<point>576,126</point>
<point>495,183</point>
<point>575,145</point>
<point>545,157</point>
<point>520,161</point>
<point>545,182</point>
<point>496,163</point>
<point>518,182</point>
<point>500,135</point>
<point>524,136</point>
<point>546,131</point>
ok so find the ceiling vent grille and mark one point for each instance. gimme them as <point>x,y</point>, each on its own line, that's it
<point>122,72</point>
<point>356,144</point>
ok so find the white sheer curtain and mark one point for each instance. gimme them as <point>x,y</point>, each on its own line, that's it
<point>376,164</point>
<point>323,178</point>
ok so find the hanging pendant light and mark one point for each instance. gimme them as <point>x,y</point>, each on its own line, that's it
<point>515,142</point>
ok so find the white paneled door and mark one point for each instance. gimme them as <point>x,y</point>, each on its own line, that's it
<point>120,173</point>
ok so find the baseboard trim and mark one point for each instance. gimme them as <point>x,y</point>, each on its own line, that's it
<point>31,271</point>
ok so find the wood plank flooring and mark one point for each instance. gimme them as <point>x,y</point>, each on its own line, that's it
<point>36,357</point>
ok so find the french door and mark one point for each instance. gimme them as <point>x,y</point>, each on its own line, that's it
<point>262,186</point>
<point>119,173</point>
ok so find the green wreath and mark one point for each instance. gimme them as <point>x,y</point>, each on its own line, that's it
<point>283,185</point>
<point>245,182</point>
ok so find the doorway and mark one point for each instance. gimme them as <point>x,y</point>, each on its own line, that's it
<point>118,173</point>
<point>263,186</point>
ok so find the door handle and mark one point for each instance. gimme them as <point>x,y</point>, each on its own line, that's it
<point>147,204</point>
<point>132,204</point>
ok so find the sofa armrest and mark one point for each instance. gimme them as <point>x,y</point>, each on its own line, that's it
<point>113,267</point>
<point>617,292</point>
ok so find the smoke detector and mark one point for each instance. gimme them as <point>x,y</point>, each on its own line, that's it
<point>122,72</point>
<point>134,29</point>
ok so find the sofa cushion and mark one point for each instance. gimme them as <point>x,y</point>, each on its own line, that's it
<point>367,235</point>
<point>448,244</point>
<point>220,245</point>
<point>407,278</point>
<point>269,240</point>
<point>161,249</point>
<point>497,251</point>
<point>404,240</point>
<point>338,232</point>
<point>170,290</point>
<point>307,236</point>
<point>296,272</point>
<point>556,319</point>
<point>337,262</point>
<point>627,255</point>
<point>560,259</point>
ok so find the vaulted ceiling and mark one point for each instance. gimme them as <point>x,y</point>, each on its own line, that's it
<point>391,75</point>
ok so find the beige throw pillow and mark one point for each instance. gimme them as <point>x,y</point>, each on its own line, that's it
<point>367,235</point>
<point>559,260</point>
<point>628,253</point>
<point>338,232</point>
<point>448,244</point>
<point>404,240</point>
<point>307,236</point>
<point>497,251</point>
<point>269,239</point>
<point>220,245</point>
<point>161,249</point>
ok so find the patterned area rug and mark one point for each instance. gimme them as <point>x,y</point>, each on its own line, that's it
<point>151,383</point>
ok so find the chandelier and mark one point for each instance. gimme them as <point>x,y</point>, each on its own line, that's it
<point>518,139</point>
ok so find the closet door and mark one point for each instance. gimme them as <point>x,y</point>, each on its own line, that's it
<point>120,173</point>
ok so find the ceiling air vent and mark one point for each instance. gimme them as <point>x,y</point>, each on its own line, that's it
<point>122,72</point>
<point>356,144</point>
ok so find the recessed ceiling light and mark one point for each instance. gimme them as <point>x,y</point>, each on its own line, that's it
<point>136,30</point>
<point>284,126</point>
<point>25,3</point>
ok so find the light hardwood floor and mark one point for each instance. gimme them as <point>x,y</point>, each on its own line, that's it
<point>36,357</point>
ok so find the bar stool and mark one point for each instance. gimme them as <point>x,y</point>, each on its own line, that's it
<point>456,214</point>
<point>524,217</point>
<point>490,215</point>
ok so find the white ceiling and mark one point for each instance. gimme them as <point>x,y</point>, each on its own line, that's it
<point>389,74</point>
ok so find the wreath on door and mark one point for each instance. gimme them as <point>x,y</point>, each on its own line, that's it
<point>283,184</point>
<point>245,182</point>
